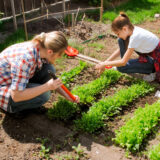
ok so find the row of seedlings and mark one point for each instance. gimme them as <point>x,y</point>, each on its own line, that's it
<point>68,77</point>
<point>87,92</point>
<point>64,110</point>
<point>154,153</point>
<point>132,135</point>
<point>93,120</point>
<point>58,111</point>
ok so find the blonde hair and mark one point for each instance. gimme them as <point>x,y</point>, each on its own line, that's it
<point>55,41</point>
<point>121,21</point>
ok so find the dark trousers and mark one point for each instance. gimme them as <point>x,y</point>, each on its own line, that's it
<point>39,78</point>
<point>133,65</point>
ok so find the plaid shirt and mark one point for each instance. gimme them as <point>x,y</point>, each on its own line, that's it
<point>155,54</point>
<point>17,65</point>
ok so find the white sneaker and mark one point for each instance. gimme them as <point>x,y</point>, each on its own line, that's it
<point>149,78</point>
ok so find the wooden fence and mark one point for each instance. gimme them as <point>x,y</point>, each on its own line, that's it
<point>12,8</point>
<point>5,6</point>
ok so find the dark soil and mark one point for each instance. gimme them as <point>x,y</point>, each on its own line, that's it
<point>18,138</point>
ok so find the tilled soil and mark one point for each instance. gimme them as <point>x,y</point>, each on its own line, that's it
<point>18,138</point>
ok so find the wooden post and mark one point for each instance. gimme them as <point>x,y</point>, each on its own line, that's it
<point>101,11</point>
<point>14,15</point>
<point>5,8</point>
<point>42,7</point>
<point>72,20</point>
<point>64,8</point>
<point>24,19</point>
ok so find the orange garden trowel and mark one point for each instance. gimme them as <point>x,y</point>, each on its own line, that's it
<point>72,52</point>
<point>63,89</point>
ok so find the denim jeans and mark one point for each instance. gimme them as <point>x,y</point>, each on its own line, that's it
<point>133,65</point>
<point>40,77</point>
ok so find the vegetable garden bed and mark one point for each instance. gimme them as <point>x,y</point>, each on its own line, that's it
<point>107,124</point>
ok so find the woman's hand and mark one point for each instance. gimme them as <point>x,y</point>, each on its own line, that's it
<point>77,99</point>
<point>54,84</point>
<point>100,67</point>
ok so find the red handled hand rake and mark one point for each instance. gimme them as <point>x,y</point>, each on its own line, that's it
<point>63,89</point>
<point>72,52</point>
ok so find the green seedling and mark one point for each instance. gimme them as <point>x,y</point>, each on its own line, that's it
<point>98,47</point>
<point>78,150</point>
<point>44,152</point>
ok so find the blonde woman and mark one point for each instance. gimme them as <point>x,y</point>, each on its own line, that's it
<point>24,80</point>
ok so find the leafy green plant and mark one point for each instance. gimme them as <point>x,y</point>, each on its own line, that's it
<point>87,92</point>
<point>78,149</point>
<point>62,110</point>
<point>97,46</point>
<point>76,45</point>
<point>132,134</point>
<point>16,37</point>
<point>67,77</point>
<point>44,151</point>
<point>107,107</point>
<point>137,10</point>
<point>154,153</point>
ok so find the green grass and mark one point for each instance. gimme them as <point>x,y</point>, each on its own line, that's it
<point>97,46</point>
<point>76,45</point>
<point>16,37</point>
<point>137,10</point>
<point>154,153</point>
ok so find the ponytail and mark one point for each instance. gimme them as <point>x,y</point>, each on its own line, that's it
<point>121,21</point>
<point>55,41</point>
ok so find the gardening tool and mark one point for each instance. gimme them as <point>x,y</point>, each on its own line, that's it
<point>98,37</point>
<point>74,53</point>
<point>63,89</point>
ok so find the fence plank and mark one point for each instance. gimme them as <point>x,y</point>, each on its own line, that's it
<point>13,13</point>
<point>29,11</point>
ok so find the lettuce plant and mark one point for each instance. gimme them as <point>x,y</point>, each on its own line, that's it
<point>154,154</point>
<point>67,77</point>
<point>107,107</point>
<point>132,134</point>
<point>87,92</point>
<point>62,110</point>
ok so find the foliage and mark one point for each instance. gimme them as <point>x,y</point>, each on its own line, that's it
<point>107,107</point>
<point>67,77</point>
<point>62,110</point>
<point>78,149</point>
<point>44,151</point>
<point>132,134</point>
<point>97,46</point>
<point>87,92</point>
<point>154,154</point>
<point>76,45</point>
<point>138,11</point>
<point>98,2</point>
<point>1,25</point>
<point>79,154</point>
<point>16,37</point>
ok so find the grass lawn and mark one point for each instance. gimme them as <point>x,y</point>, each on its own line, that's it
<point>137,10</point>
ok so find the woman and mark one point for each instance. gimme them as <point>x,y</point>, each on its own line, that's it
<point>24,79</point>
